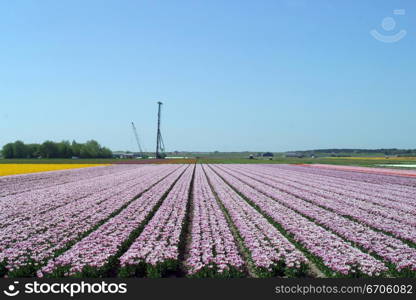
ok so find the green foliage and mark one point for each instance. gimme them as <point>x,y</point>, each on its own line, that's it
<point>76,148</point>
<point>129,271</point>
<point>33,150</point>
<point>49,149</point>
<point>212,271</point>
<point>7,151</point>
<point>3,269</point>
<point>64,149</point>
<point>143,269</point>
<point>19,149</point>
<point>25,271</point>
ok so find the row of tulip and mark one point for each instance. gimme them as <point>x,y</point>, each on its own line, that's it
<point>212,251</point>
<point>393,182</point>
<point>344,207</point>
<point>24,250</point>
<point>28,206</point>
<point>403,200</point>
<point>317,189</point>
<point>15,184</point>
<point>386,247</point>
<point>270,252</point>
<point>382,196</point>
<point>383,171</point>
<point>34,213</point>
<point>336,256</point>
<point>156,251</point>
<point>93,256</point>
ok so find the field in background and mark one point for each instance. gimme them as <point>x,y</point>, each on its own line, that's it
<point>22,168</point>
<point>349,161</point>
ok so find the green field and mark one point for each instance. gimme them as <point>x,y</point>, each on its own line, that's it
<point>362,161</point>
<point>371,162</point>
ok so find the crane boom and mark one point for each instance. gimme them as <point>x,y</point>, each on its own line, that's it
<point>137,139</point>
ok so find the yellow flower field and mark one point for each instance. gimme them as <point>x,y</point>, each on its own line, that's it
<point>13,169</point>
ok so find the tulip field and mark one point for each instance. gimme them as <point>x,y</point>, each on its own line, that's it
<point>208,220</point>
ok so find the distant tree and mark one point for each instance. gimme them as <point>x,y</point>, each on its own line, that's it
<point>90,149</point>
<point>64,149</point>
<point>49,149</point>
<point>19,150</point>
<point>76,149</point>
<point>268,154</point>
<point>7,150</point>
<point>33,150</point>
<point>106,153</point>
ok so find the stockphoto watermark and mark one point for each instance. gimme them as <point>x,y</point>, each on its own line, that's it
<point>390,34</point>
<point>62,288</point>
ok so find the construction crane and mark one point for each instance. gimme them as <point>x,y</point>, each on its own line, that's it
<point>160,146</point>
<point>142,155</point>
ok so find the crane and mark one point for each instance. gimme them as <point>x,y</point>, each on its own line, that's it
<point>160,146</point>
<point>137,140</point>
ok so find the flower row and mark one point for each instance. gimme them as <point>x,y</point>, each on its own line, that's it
<point>16,184</point>
<point>156,251</point>
<point>336,254</point>
<point>271,253</point>
<point>326,192</point>
<point>57,229</point>
<point>388,248</point>
<point>403,201</point>
<point>213,251</point>
<point>344,207</point>
<point>27,207</point>
<point>92,255</point>
<point>393,182</point>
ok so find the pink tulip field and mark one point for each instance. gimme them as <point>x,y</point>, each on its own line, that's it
<point>211,220</point>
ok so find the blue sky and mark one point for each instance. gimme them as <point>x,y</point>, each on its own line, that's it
<point>234,75</point>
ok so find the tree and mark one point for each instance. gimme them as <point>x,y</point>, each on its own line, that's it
<point>19,150</point>
<point>76,149</point>
<point>7,151</point>
<point>106,153</point>
<point>64,149</point>
<point>49,149</point>
<point>90,149</point>
<point>33,150</point>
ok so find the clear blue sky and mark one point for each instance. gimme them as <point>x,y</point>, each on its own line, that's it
<point>234,75</point>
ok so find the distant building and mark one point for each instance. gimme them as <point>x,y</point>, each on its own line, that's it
<point>123,155</point>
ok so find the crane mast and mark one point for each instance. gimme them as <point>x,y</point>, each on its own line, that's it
<point>160,147</point>
<point>137,139</point>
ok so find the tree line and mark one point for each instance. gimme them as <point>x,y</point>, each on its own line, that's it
<point>49,149</point>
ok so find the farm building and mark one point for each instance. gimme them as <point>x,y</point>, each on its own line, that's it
<point>121,155</point>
